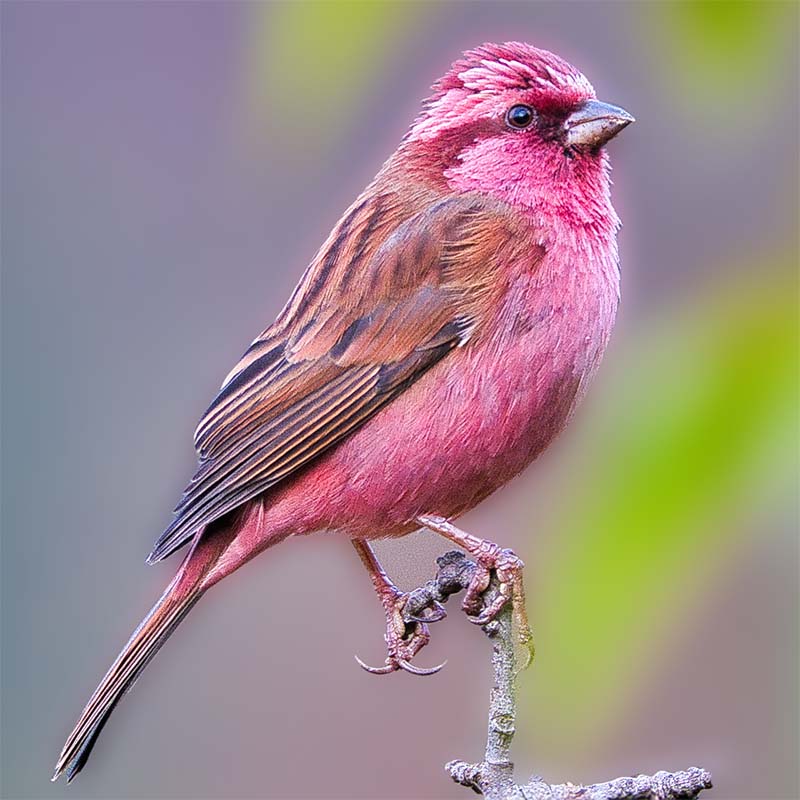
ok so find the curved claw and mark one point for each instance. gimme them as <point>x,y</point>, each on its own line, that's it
<point>481,619</point>
<point>530,654</point>
<point>408,667</point>
<point>385,670</point>
<point>437,613</point>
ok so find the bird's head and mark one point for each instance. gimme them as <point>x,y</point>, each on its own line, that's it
<point>512,119</point>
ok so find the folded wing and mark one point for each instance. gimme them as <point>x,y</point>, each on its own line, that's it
<point>360,329</point>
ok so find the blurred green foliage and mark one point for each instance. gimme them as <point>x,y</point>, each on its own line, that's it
<point>687,447</point>
<point>317,57</point>
<point>721,54</point>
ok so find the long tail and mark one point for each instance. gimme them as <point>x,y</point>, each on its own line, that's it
<point>165,616</point>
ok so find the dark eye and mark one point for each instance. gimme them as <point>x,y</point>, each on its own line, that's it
<point>520,116</point>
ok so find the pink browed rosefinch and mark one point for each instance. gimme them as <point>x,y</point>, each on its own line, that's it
<point>437,343</point>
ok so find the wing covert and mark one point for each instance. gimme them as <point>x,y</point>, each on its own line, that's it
<point>344,352</point>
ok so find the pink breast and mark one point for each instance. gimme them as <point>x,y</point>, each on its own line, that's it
<point>473,422</point>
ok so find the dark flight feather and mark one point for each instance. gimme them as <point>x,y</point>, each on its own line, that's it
<point>326,366</point>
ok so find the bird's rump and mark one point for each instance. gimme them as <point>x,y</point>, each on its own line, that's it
<point>335,357</point>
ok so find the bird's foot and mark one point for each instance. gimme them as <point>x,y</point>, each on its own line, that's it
<point>406,634</point>
<point>489,558</point>
<point>508,567</point>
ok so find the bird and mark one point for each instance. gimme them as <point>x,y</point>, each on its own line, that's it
<point>438,341</point>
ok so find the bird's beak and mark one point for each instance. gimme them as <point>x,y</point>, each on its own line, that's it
<point>594,123</point>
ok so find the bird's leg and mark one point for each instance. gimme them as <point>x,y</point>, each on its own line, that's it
<point>403,639</point>
<point>489,556</point>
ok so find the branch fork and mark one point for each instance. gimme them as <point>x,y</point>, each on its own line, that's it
<point>494,776</point>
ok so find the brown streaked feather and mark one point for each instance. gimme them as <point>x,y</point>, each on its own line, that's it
<point>384,300</point>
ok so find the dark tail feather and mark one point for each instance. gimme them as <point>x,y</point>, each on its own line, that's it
<point>147,639</point>
<point>195,575</point>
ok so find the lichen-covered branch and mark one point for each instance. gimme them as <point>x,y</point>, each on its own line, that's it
<point>684,785</point>
<point>494,776</point>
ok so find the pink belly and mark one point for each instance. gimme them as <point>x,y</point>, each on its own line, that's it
<point>472,423</point>
<point>445,446</point>
<point>469,425</point>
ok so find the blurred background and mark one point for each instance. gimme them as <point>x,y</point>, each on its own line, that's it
<point>168,171</point>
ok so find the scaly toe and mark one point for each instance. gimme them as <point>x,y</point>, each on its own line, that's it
<point>481,619</point>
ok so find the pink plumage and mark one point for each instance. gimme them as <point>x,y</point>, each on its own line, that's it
<point>439,340</point>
